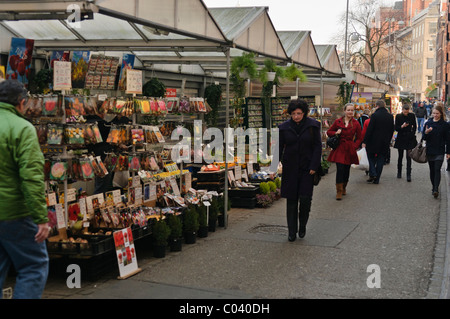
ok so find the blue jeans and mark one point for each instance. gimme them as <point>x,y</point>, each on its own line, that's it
<point>420,122</point>
<point>376,163</point>
<point>30,259</point>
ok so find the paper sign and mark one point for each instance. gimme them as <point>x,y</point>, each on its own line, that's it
<point>60,218</point>
<point>134,82</point>
<point>125,252</point>
<point>62,76</point>
<point>152,191</point>
<point>117,197</point>
<point>51,199</point>
<point>175,187</point>
<point>237,172</point>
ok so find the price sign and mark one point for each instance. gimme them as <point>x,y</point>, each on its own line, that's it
<point>134,82</point>
<point>62,75</point>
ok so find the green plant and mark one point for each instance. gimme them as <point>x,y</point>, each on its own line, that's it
<point>213,95</point>
<point>272,186</point>
<point>278,182</point>
<point>325,164</point>
<point>214,209</point>
<point>191,223</point>
<point>161,232</point>
<point>202,215</point>
<point>344,93</point>
<point>154,88</point>
<point>245,62</point>
<point>176,226</point>
<point>271,66</point>
<point>264,188</point>
<point>40,84</point>
<point>292,73</point>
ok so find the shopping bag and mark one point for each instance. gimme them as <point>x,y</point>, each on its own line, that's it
<point>363,160</point>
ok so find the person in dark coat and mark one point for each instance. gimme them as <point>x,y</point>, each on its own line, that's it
<point>406,127</point>
<point>378,139</point>
<point>437,137</point>
<point>421,115</point>
<point>300,148</point>
<point>345,154</point>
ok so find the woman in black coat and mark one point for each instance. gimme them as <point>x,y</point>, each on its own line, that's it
<point>437,136</point>
<point>300,148</point>
<point>406,126</point>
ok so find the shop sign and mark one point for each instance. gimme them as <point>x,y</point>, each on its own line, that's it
<point>171,92</point>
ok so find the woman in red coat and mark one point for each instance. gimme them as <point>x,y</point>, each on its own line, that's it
<point>345,155</point>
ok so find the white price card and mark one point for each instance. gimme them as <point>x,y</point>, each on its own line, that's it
<point>62,76</point>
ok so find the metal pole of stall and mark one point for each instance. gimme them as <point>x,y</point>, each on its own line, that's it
<point>227,125</point>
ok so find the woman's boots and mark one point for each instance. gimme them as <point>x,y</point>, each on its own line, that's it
<point>339,190</point>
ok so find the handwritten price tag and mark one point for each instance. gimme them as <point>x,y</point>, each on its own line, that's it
<point>134,82</point>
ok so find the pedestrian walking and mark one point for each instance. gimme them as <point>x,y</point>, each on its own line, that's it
<point>349,131</point>
<point>421,115</point>
<point>406,127</point>
<point>23,207</point>
<point>437,137</point>
<point>300,154</point>
<point>378,139</point>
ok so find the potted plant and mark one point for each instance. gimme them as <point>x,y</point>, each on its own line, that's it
<point>191,224</point>
<point>292,73</point>
<point>154,88</point>
<point>213,95</point>
<point>176,232</point>
<point>161,232</point>
<point>271,72</point>
<point>213,213</point>
<point>221,214</point>
<point>325,166</point>
<point>264,199</point>
<point>244,66</point>
<point>203,221</point>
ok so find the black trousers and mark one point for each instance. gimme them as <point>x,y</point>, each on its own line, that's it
<point>400,161</point>
<point>297,212</point>
<point>342,173</point>
<point>435,173</point>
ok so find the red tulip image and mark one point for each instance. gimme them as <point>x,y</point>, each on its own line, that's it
<point>21,67</point>
<point>13,60</point>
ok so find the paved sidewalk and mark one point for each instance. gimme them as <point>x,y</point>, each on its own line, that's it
<point>396,225</point>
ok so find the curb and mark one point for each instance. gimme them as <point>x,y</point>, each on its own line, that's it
<point>440,276</point>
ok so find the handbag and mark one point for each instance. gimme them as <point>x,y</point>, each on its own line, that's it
<point>333,141</point>
<point>318,176</point>
<point>419,153</point>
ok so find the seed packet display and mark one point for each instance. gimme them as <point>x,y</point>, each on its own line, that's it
<point>89,136</point>
<point>172,105</point>
<point>122,163</point>
<point>86,168</point>
<point>184,105</point>
<point>76,169</point>
<point>47,168</point>
<point>42,132</point>
<point>50,106</point>
<point>74,134</point>
<point>111,162</point>
<point>134,164</point>
<point>137,136</point>
<point>74,105</point>
<point>33,107</point>
<point>162,110</point>
<point>201,106</point>
<point>114,135</point>
<point>58,171</point>
<point>55,134</point>
<point>90,105</point>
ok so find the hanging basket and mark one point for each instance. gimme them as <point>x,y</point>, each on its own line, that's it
<point>271,76</point>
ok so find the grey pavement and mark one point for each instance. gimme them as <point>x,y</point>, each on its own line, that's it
<point>396,226</point>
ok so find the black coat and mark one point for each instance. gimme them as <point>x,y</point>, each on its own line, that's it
<point>300,152</point>
<point>379,132</point>
<point>438,140</point>
<point>406,137</point>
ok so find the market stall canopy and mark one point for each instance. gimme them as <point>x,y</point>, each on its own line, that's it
<point>329,59</point>
<point>300,49</point>
<point>250,29</point>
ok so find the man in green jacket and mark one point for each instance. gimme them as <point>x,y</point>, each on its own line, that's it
<point>23,209</point>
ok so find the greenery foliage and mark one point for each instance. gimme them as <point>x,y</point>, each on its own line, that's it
<point>161,232</point>
<point>154,88</point>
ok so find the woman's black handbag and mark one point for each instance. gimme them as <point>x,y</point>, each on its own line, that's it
<point>333,141</point>
<point>318,175</point>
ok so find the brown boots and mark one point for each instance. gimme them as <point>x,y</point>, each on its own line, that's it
<point>339,191</point>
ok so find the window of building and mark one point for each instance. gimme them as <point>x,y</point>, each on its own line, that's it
<point>430,63</point>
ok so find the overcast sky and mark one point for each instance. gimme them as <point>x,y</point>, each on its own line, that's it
<point>321,17</point>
